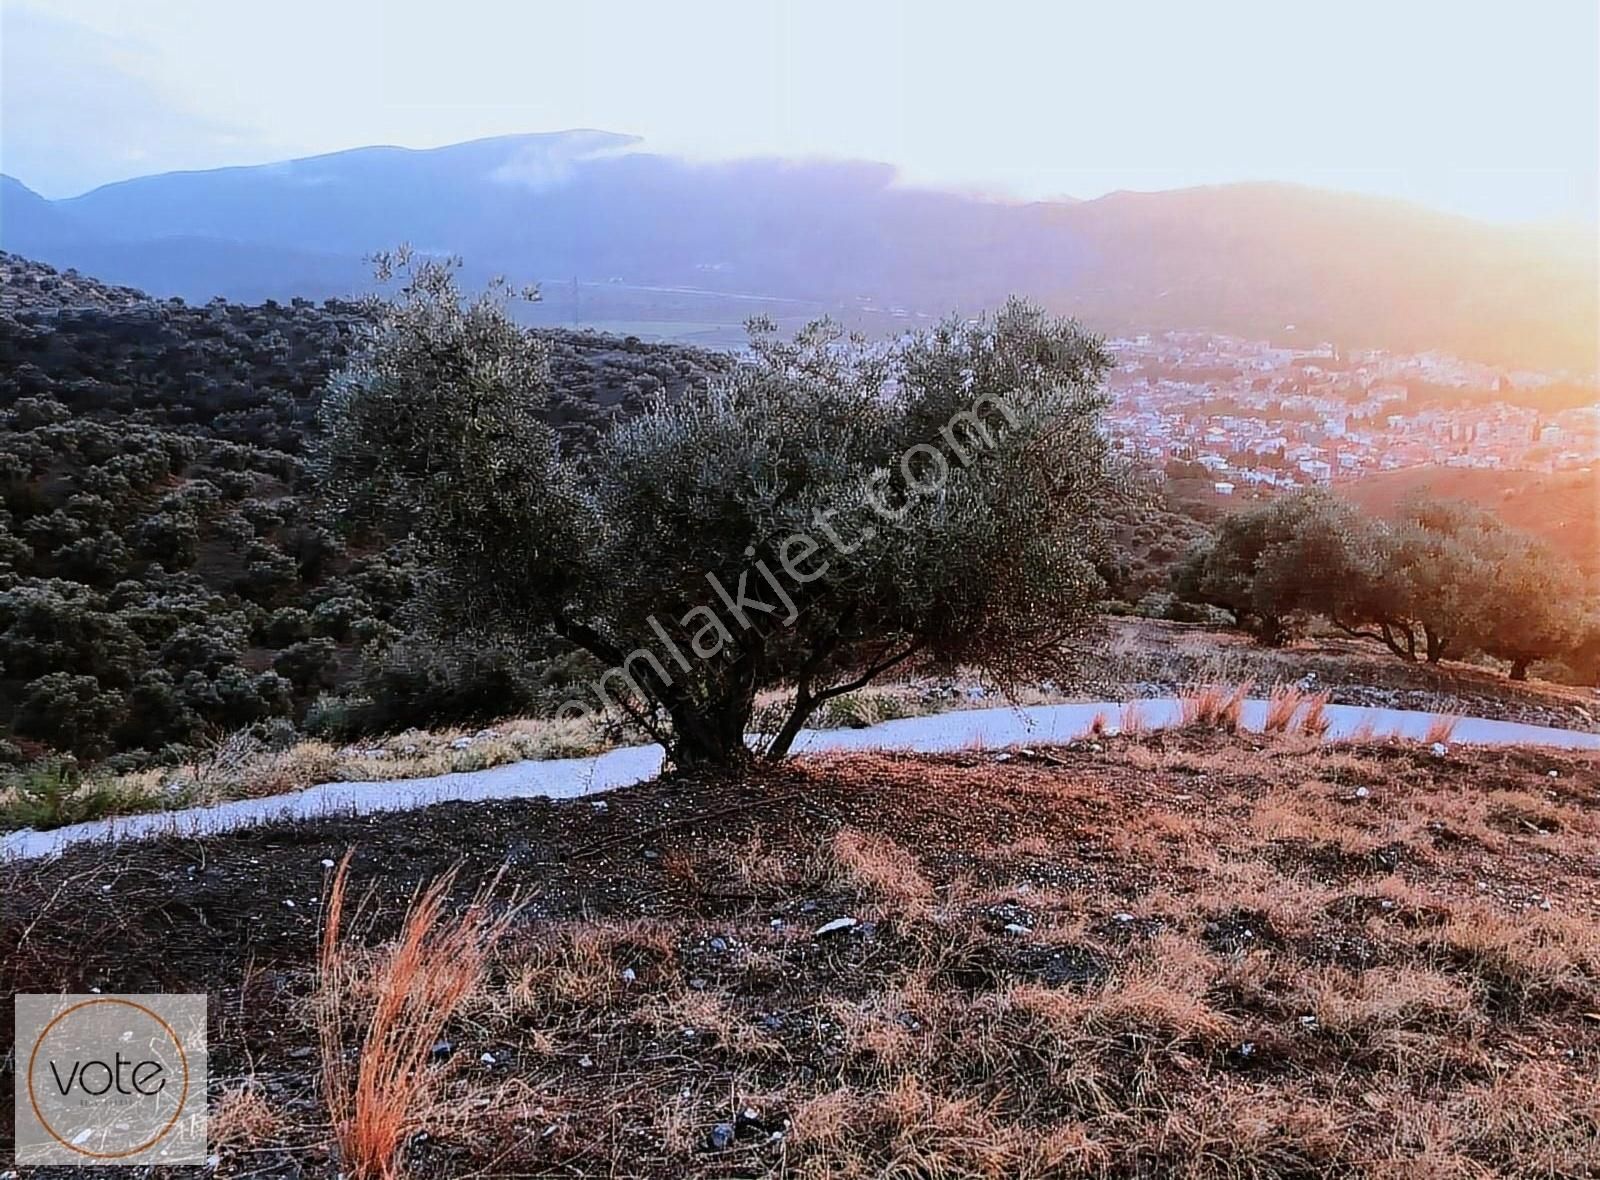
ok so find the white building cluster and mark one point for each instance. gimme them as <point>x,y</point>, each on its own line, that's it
<point>1257,415</point>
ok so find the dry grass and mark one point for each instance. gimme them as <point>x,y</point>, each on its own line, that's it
<point>1133,719</point>
<point>1292,710</point>
<point>1213,706</point>
<point>1441,728</point>
<point>879,869</point>
<point>415,987</point>
<point>241,766</point>
<point>1314,720</point>
<point>1181,954</point>
<point>1283,703</point>
<point>241,1118</point>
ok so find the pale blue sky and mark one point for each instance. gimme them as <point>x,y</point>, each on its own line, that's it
<point>1484,109</point>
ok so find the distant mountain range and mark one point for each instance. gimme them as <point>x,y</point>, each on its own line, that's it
<point>629,240</point>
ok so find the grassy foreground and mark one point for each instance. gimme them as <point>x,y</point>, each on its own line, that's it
<point>1182,954</point>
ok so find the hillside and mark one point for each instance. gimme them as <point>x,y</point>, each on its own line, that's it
<point>167,572</point>
<point>1181,955</point>
<point>1563,508</point>
<point>587,213</point>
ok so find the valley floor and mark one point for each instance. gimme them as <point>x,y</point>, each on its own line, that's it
<point>1169,954</point>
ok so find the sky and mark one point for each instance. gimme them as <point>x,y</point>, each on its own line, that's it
<point>1485,109</point>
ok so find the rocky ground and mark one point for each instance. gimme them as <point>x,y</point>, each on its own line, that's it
<point>1183,954</point>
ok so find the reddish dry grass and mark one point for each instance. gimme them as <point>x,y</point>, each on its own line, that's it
<point>416,985</point>
<point>1441,728</point>
<point>1282,704</point>
<point>1314,720</point>
<point>1213,706</point>
<point>1133,719</point>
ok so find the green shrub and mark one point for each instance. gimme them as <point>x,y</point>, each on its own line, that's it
<point>54,793</point>
<point>858,710</point>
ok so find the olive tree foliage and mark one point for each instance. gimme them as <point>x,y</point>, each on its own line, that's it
<point>1427,601</point>
<point>1446,578</point>
<point>825,512</point>
<point>1273,565</point>
<point>1439,579</point>
<point>1534,607</point>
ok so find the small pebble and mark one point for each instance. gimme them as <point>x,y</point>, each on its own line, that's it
<point>837,926</point>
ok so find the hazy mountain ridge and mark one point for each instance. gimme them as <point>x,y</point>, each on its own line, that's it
<point>840,237</point>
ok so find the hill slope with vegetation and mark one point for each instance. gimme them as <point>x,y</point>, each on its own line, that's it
<point>166,570</point>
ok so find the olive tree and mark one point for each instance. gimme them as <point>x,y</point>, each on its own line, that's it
<point>1274,564</point>
<point>1438,579</point>
<point>1533,603</point>
<point>824,512</point>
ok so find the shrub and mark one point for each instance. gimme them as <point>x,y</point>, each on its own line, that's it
<point>67,712</point>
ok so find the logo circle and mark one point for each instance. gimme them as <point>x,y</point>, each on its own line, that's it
<point>168,1033</point>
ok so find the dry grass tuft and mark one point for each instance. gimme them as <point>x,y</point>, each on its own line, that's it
<point>1133,719</point>
<point>1283,702</point>
<point>1314,720</point>
<point>879,868</point>
<point>242,1118</point>
<point>1441,728</point>
<point>1213,706</point>
<point>416,986</point>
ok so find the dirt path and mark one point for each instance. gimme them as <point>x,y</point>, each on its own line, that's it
<point>568,778</point>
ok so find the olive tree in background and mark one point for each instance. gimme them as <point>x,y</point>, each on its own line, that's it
<point>1273,564</point>
<point>1534,606</point>
<point>1439,579</point>
<point>938,498</point>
